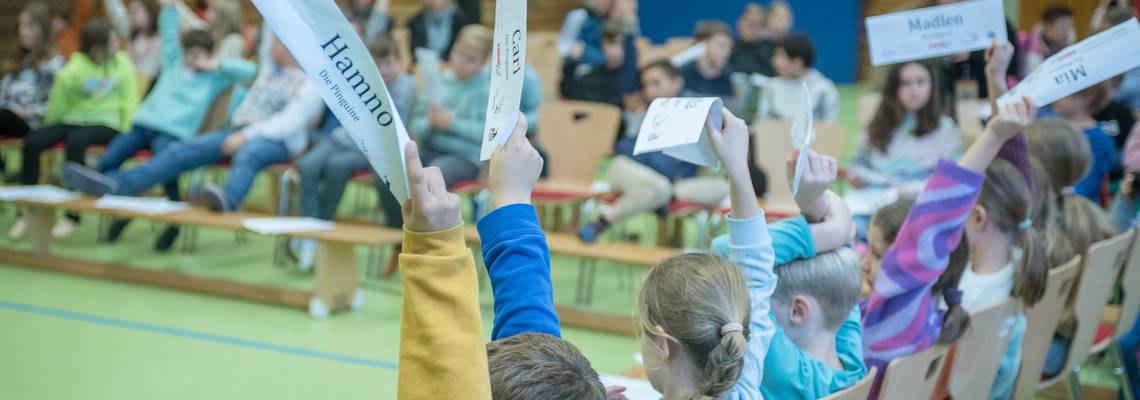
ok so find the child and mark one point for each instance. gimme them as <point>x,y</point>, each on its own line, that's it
<point>792,59</point>
<point>91,101</point>
<point>598,83</point>
<point>911,258</point>
<point>710,75</point>
<point>27,80</point>
<point>173,111</point>
<point>751,53</point>
<point>1077,110</point>
<point>780,19</point>
<point>437,25</point>
<point>269,127</point>
<point>327,167</point>
<point>223,19</point>
<point>137,21</point>
<point>1053,33</point>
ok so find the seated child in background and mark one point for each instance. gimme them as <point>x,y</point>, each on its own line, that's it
<point>600,83</point>
<point>91,101</point>
<point>792,58</point>
<point>330,164</point>
<point>173,111</point>
<point>710,75</point>
<point>269,127</point>
<point>137,22</point>
<point>1077,110</point>
<point>28,78</point>
<point>437,26</point>
<point>904,285</point>
<point>1047,37</point>
<point>751,53</point>
<point>223,19</point>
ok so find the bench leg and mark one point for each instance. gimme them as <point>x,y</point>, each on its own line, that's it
<point>40,220</point>
<point>336,279</point>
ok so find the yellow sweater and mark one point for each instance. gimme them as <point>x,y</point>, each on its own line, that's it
<point>442,350</point>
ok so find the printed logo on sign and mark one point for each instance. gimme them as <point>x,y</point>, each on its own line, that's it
<point>491,136</point>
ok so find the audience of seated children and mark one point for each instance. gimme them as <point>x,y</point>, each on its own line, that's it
<point>710,75</point>
<point>437,26</point>
<point>223,19</point>
<point>69,17</point>
<point>27,80</point>
<point>269,127</point>
<point>137,22</point>
<point>330,164</point>
<point>904,285</point>
<point>792,59</point>
<point>751,53</point>
<point>192,77</point>
<point>648,181</point>
<point>1077,110</point>
<point>598,83</point>
<point>1054,32</point>
<point>92,99</point>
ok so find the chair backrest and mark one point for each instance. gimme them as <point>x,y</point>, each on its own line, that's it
<point>868,105</point>
<point>542,54</point>
<point>830,139</point>
<point>1041,323</point>
<point>219,110</point>
<point>969,119</point>
<point>576,135</point>
<point>913,376</point>
<point>1103,263</point>
<point>859,391</point>
<point>1130,282</point>
<point>771,146</point>
<point>976,361</point>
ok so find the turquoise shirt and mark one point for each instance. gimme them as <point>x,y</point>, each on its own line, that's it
<point>180,99</point>
<point>466,101</point>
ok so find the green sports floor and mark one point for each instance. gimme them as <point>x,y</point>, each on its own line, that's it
<point>70,337</point>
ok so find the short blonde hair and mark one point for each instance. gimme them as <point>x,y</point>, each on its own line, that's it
<point>832,278</point>
<point>477,38</point>
<point>540,366</point>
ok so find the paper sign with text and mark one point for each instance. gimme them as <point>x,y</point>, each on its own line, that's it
<point>1086,63</point>
<point>333,56</point>
<point>427,64</point>
<point>802,135</point>
<point>676,127</point>
<point>935,31</point>
<point>508,67</point>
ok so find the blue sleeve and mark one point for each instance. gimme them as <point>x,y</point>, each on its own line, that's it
<point>518,263</point>
<point>630,76</point>
<point>750,249</point>
<point>791,240</point>
<point>237,70</point>
<point>1104,157</point>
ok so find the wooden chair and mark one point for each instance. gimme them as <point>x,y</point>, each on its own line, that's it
<point>1103,263</point>
<point>1126,314</point>
<point>1041,324</point>
<point>830,139</point>
<point>576,135</point>
<point>859,391</point>
<point>969,119</point>
<point>771,146</point>
<point>913,376</point>
<point>542,54</point>
<point>868,105</point>
<point>977,359</point>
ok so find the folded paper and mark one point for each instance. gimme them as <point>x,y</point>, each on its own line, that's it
<point>676,126</point>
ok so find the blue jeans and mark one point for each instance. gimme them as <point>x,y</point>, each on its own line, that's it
<point>253,156</point>
<point>124,146</point>
<point>325,170</point>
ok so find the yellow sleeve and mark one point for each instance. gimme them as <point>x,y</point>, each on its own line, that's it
<point>442,349</point>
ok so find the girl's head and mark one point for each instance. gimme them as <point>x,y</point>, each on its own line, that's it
<point>1061,149</point>
<point>1045,218</point>
<point>816,295</point>
<point>694,312</point>
<point>910,89</point>
<point>1002,218</point>
<point>97,41</point>
<point>143,15</point>
<point>750,25</point>
<point>1083,104</point>
<point>717,37</point>
<point>470,52</point>
<point>33,29</point>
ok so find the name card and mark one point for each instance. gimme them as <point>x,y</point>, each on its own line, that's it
<point>935,31</point>
<point>802,135</point>
<point>333,56</point>
<point>676,126</point>
<point>508,66</point>
<point>1083,64</point>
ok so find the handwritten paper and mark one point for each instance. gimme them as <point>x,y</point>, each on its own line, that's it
<point>935,31</point>
<point>37,193</point>
<point>1086,63</point>
<point>427,64</point>
<point>676,126</point>
<point>334,57</point>
<point>802,136</point>
<point>285,225</point>
<point>508,66</point>
<point>142,205</point>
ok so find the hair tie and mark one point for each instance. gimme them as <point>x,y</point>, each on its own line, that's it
<point>952,296</point>
<point>1025,224</point>
<point>731,327</point>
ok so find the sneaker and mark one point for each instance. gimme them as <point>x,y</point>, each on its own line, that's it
<point>118,225</point>
<point>307,256</point>
<point>78,177</point>
<point>63,229</point>
<point>166,240</point>
<point>214,198</point>
<point>18,229</point>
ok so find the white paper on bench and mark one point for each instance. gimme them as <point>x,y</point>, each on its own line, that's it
<point>676,126</point>
<point>142,205</point>
<point>39,193</point>
<point>508,67</point>
<point>1086,63</point>
<point>281,225</point>
<point>635,389</point>
<point>935,31</point>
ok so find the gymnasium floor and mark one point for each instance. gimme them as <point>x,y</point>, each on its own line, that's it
<point>64,336</point>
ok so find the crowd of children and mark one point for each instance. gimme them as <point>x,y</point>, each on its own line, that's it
<point>774,310</point>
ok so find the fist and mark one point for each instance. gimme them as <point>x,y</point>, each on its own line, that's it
<point>515,168</point>
<point>431,208</point>
<point>730,142</point>
<point>819,173</point>
<point>1012,119</point>
<point>998,57</point>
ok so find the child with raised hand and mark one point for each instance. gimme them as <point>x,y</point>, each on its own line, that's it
<point>441,333</point>
<point>907,270</point>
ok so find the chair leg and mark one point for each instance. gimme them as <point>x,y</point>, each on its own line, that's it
<point>1074,384</point>
<point>592,281</point>
<point>1125,383</point>
<point>580,285</point>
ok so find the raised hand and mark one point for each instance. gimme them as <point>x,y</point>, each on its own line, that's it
<point>431,208</point>
<point>1012,119</point>
<point>998,57</point>
<point>819,174</point>
<point>515,167</point>
<point>730,143</point>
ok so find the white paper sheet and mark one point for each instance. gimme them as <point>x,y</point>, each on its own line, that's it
<point>508,66</point>
<point>324,43</point>
<point>935,31</point>
<point>283,225</point>
<point>866,201</point>
<point>802,135</point>
<point>38,193</point>
<point>1083,64</point>
<point>143,205</point>
<point>427,65</point>
<point>676,127</point>
<point>688,55</point>
<point>635,389</point>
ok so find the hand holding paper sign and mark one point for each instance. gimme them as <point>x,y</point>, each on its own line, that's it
<point>676,126</point>
<point>432,208</point>
<point>508,69</point>
<point>728,138</point>
<point>802,135</point>
<point>515,168</point>
<point>818,173</point>
<point>935,31</point>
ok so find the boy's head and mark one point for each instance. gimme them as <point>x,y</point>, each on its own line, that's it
<point>1083,104</point>
<point>814,296</point>
<point>779,19</point>
<point>386,54</point>
<point>793,55</point>
<point>661,79</point>
<point>197,48</point>
<point>470,52</point>
<point>750,25</point>
<point>97,41</point>
<point>717,37</point>
<point>1057,24</point>
<point>613,45</point>
<point>436,5</point>
<point>540,366</point>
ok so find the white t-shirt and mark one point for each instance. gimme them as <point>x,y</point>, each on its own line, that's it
<point>981,291</point>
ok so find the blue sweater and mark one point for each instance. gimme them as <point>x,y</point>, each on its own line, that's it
<point>1103,160</point>
<point>518,263</point>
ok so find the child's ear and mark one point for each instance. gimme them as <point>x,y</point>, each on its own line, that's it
<point>801,310</point>
<point>979,216</point>
<point>661,342</point>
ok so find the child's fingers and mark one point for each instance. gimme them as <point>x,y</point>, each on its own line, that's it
<point>433,181</point>
<point>415,170</point>
<point>521,128</point>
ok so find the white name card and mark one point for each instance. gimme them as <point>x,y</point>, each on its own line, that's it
<point>508,67</point>
<point>676,126</point>
<point>935,31</point>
